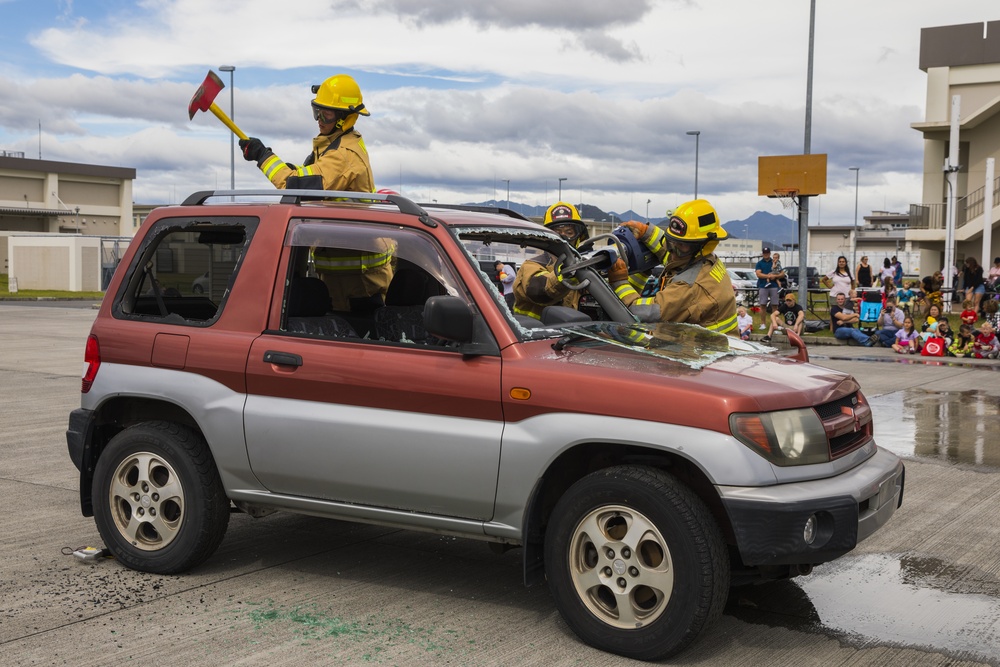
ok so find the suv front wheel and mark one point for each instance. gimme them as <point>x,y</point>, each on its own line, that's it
<point>159,504</point>
<point>635,562</point>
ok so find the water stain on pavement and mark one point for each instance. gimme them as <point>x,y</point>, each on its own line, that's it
<point>885,600</point>
<point>955,427</point>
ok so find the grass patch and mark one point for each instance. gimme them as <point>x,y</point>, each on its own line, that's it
<point>43,293</point>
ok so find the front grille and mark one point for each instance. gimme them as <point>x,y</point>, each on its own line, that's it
<point>848,424</point>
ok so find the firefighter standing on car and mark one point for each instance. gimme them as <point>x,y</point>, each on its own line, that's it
<point>694,286</point>
<point>339,159</point>
<point>539,283</point>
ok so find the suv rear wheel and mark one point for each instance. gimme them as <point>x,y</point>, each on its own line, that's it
<point>635,562</point>
<point>158,500</point>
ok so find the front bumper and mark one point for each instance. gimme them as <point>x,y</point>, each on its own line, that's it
<point>769,522</point>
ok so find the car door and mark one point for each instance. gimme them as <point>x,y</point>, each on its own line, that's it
<point>333,413</point>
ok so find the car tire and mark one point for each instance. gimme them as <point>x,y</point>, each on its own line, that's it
<point>197,289</point>
<point>158,501</point>
<point>635,535</point>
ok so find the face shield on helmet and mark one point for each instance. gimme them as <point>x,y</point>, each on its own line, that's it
<point>564,219</point>
<point>694,228</point>
<point>338,100</point>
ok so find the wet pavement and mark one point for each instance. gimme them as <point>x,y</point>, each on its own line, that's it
<point>293,590</point>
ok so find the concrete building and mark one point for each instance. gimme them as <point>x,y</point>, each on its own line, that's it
<point>67,208</point>
<point>961,60</point>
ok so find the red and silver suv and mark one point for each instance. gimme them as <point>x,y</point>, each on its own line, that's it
<point>349,358</point>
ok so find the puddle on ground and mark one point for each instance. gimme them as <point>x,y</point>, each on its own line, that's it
<point>884,600</point>
<point>957,427</point>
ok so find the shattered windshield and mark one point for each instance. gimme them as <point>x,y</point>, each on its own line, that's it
<point>688,344</point>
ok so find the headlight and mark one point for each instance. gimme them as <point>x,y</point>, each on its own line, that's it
<point>785,438</point>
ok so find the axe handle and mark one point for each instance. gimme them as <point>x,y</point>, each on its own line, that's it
<point>221,115</point>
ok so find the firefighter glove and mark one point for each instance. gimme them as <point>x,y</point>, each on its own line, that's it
<point>638,229</point>
<point>253,149</point>
<point>619,272</point>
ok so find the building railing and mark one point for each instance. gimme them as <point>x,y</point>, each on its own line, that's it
<point>967,208</point>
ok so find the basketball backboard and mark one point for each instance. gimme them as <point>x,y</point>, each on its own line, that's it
<point>780,175</point>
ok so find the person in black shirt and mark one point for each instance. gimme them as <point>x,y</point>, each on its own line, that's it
<point>788,315</point>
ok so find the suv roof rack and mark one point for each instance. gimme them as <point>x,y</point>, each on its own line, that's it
<point>479,209</point>
<point>298,196</point>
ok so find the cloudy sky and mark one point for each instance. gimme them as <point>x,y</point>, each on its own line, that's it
<point>467,94</point>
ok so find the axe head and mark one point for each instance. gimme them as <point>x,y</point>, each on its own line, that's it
<point>206,94</point>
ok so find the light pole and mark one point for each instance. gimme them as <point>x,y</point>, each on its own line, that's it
<point>232,137</point>
<point>507,181</point>
<point>697,139</point>
<point>560,187</point>
<point>647,210</point>
<point>854,245</point>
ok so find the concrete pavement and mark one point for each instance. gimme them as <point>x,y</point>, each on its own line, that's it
<point>294,590</point>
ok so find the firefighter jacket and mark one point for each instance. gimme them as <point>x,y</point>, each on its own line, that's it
<point>351,274</point>
<point>697,292</point>
<point>338,161</point>
<point>538,285</point>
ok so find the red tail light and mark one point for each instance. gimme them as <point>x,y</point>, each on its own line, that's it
<point>92,359</point>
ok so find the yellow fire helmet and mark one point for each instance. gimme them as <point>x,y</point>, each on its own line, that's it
<point>696,222</point>
<point>564,219</point>
<point>339,93</point>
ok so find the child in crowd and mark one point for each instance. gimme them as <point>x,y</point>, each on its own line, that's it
<point>907,338</point>
<point>944,331</point>
<point>888,289</point>
<point>962,347</point>
<point>969,315</point>
<point>990,308</point>
<point>986,346</point>
<point>904,297</point>
<point>930,322</point>
<point>744,323</point>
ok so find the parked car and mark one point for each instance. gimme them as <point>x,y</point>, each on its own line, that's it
<point>812,277</point>
<point>360,365</point>
<point>200,284</point>
<point>744,283</point>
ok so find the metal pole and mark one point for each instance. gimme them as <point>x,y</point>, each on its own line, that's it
<point>697,138</point>
<point>507,181</point>
<point>988,212</point>
<point>804,205</point>
<point>951,168</point>
<point>560,187</point>
<point>854,242</point>
<point>232,137</point>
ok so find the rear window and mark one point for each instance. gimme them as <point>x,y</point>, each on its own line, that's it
<point>184,270</point>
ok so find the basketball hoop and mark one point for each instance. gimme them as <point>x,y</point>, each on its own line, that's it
<point>788,198</point>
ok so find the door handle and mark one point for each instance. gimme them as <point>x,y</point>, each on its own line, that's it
<point>282,358</point>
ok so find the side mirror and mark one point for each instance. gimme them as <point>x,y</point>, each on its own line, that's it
<point>449,317</point>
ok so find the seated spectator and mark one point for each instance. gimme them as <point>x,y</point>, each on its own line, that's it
<point>888,289</point>
<point>788,315</point>
<point>990,308</point>
<point>843,319</point>
<point>905,296</point>
<point>963,343</point>
<point>744,323</point>
<point>889,321</point>
<point>969,315</point>
<point>906,339</point>
<point>986,346</point>
<point>944,331</point>
<point>930,322</point>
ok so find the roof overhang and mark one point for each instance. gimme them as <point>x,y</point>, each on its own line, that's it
<point>969,122</point>
<point>35,212</point>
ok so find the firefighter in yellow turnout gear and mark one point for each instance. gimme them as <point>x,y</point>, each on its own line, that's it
<point>350,274</point>
<point>694,287</point>
<point>339,159</point>
<point>538,282</point>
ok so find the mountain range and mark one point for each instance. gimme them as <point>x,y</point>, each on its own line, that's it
<point>774,230</point>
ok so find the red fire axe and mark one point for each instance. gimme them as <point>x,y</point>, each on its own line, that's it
<point>204,100</point>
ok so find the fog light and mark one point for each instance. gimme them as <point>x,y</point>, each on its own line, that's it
<point>809,532</point>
